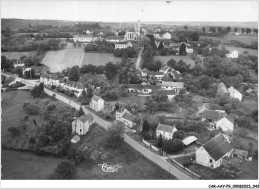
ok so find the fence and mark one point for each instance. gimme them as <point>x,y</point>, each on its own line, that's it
<point>150,145</point>
<point>186,169</point>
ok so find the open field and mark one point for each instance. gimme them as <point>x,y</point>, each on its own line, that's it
<point>61,59</point>
<point>14,55</point>
<point>26,166</point>
<point>186,59</point>
<point>248,39</point>
<point>99,59</point>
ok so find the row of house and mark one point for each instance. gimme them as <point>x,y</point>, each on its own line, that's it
<point>65,83</point>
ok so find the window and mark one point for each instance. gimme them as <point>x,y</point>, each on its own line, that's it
<point>80,130</point>
<point>210,160</point>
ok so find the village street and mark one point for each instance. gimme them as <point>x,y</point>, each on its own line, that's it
<point>159,160</point>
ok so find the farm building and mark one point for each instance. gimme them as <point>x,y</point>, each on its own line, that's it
<point>241,154</point>
<point>128,119</point>
<point>114,39</point>
<point>83,38</point>
<point>211,154</point>
<point>166,131</point>
<point>82,124</point>
<point>97,103</point>
<point>169,85</point>
<point>189,140</point>
<point>213,115</point>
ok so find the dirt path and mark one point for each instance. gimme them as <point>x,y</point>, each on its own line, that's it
<point>138,61</point>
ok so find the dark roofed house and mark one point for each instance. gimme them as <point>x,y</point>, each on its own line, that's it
<point>212,153</point>
<point>165,130</point>
<point>213,115</point>
<point>241,154</point>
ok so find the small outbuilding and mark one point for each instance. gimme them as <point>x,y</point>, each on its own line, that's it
<point>189,140</point>
<point>241,154</point>
<point>75,139</point>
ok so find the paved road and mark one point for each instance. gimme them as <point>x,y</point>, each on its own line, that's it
<point>138,61</point>
<point>157,159</point>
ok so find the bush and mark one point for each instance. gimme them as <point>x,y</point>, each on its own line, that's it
<point>115,137</point>
<point>32,140</point>
<point>32,109</point>
<point>14,131</point>
<point>53,87</point>
<point>51,107</point>
<point>65,170</point>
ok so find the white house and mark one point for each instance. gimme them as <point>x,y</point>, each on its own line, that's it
<point>189,50</point>
<point>166,131</point>
<point>233,54</point>
<point>82,124</point>
<point>226,124</point>
<point>233,93</point>
<point>123,45</point>
<point>114,39</point>
<point>97,103</point>
<point>167,35</point>
<point>83,38</point>
<point>128,119</point>
<point>157,75</point>
<point>176,86</point>
<point>212,153</point>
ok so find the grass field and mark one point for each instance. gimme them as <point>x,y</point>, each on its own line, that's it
<point>24,165</point>
<point>61,59</point>
<point>99,58</point>
<point>248,39</point>
<point>186,59</point>
<point>14,55</point>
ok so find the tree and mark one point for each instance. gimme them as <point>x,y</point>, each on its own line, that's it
<point>74,73</point>
<point>182,49</point>
<point>146,126</point>
<point>160,46</point>
<point>219,29</point>
<point>65,170</point>
<point>255,31</point>
<point>90,93</point>
<point>212,29</point>
<point>29,73</point>
<point>14,131</point>
<point>160,142</point>
<point>36,91</point>
<point>243,30</point>
<point>235,29</point>
<point>185,27</point>
<point>80,112</point>
<point>115,137</point>
<point>203,29</point>
<point>152,40</point>
<point>6,65</point>
<point>111,70</point>
<point>228,29</point>
<point>248,30</point>
<point>194,36</point>
<point>180,134</point>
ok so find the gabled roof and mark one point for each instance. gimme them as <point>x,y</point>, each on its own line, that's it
<point>222,89</point>
<point>173,84</point>
<point>120,110</point>
<point>233,90</point>
<point>76,138</point>
<point>229,118</point>
<point>166,128</point>
<point>86,118</point>
<point>217,147</point>
<point>249,90</point>
<point>10,79</point>
<point>114,38</point>
<point>96,98</point>
<point>213,114</point>
<point>83,36</point>
<point>128,116</point>
<point>97,91</point>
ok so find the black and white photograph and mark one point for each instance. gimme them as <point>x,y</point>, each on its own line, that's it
<point>147,94</point>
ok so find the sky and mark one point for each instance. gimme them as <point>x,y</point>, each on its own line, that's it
<point>111,11</point>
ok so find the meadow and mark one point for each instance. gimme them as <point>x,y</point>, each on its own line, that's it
<point>61,59</point>
<point>99,59</point>
<point>241,50</point>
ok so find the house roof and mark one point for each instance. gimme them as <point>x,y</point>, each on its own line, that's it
<point>233,90</point>
<point>165,68</point>
<point>249,90</point>
<point>114,38</point>
<point>97,91</point>
<point>217,147</point>
<point>86,118</point>
<point>189,140</point>
<point>166,128</point>
<point>240,152</point>
<point>231,119</point>
<point>10,79</point>
<point>222,89</point>
<point>123,43</point>
<point>173,84</point>
<point>213,114</point>
<point>96,98</point>
<point>83,36</point>
<point>128,116</point>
